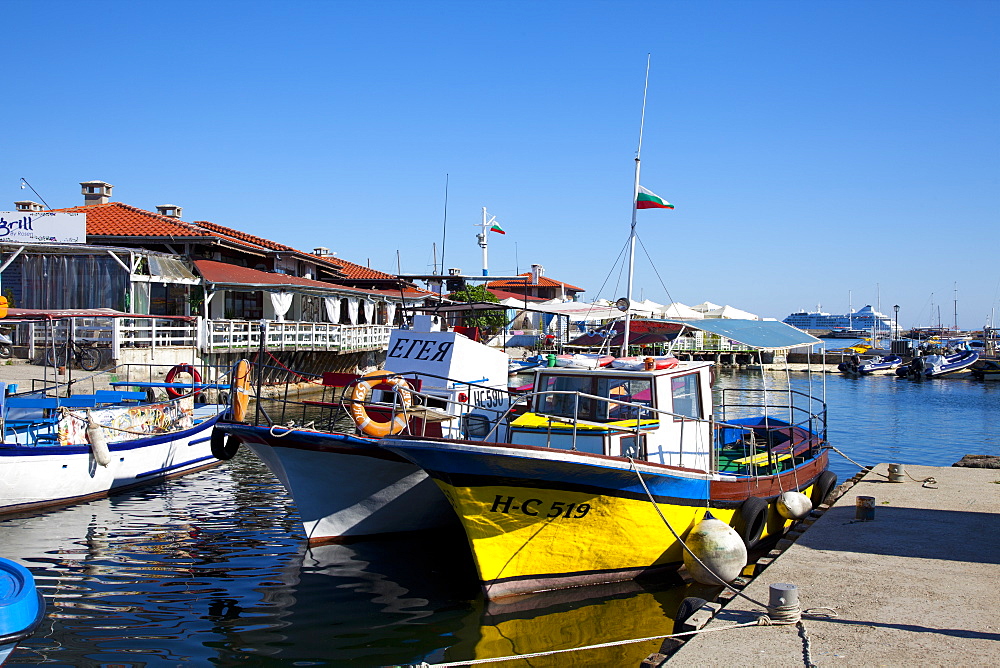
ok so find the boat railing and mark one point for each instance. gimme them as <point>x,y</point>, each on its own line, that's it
<point>784,404</point>
<point>123,376</point>
<point>757,437</point>
<point>441,399</point>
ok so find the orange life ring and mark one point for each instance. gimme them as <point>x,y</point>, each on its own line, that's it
<point>239,395</point>
<point>361,392</point>
<point>181,368</point>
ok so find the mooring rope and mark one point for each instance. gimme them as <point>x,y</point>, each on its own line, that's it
<point>683,544</point>
<point>926,482</point>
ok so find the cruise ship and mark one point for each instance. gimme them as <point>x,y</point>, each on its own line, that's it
<point>863,320</point>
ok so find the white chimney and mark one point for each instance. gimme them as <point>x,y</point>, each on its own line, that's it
<point>321,251</point>
<point>536,273</point>
<point>96,192</point>
<point>28,205</point>
<point>169,210</point>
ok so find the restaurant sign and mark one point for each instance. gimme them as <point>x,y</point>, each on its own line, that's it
<point>36,227</point>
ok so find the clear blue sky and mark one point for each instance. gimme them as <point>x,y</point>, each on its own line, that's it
<point>816,152</point>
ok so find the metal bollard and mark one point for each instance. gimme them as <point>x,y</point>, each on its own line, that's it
<point>896,473</point>
<point>864,508</point>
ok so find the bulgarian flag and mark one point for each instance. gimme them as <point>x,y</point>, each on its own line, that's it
<point>496,228</point>
<point>647,200</point>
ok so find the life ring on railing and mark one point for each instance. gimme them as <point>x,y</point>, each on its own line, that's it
<point>360,394</point>
<point>181,368</point>
<point>239,397</point>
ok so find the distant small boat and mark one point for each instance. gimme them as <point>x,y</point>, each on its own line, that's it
<point>932,366</point>
<point>986,370</point>
<point>22,607</point>
<point>885,364</point>
<point>527,364</point>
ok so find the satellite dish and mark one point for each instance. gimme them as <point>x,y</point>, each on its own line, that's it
<point>622,304</point>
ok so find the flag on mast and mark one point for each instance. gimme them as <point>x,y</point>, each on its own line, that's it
<point>496,228</point>
<point>649,200</point>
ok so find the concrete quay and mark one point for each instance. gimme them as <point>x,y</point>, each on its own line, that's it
<point>916,586</point>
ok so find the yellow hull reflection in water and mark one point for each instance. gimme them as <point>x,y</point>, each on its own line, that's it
<point>578,617</point>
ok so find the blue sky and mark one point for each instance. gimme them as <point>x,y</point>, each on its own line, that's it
<point>818,152</point>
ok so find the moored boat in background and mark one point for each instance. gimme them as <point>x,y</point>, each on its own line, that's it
<point>933,366</point>
<point>61,450</point>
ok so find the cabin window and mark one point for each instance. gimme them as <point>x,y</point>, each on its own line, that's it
<point>686,393</point>
<point>566,405</point>
<point>625,390</point>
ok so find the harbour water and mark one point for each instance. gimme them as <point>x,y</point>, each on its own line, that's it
<point>213,568</point>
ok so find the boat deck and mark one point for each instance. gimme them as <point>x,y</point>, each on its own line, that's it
<point>915,586</point>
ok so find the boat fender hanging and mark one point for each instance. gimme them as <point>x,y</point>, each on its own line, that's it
<point>752,519</point>
<point>174,372</point>
<point>824,484</point>
<point>719,548</point>
<point>224,446</point>
<point>98,444</point>
<point>793,505</point>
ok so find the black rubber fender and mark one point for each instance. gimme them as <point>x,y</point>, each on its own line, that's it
<point>824,484</point>
<point>688,607</point>
<point>752,520</point>
<point>224,446</point>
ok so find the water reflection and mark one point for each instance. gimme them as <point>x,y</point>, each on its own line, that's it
<point>213,568</point>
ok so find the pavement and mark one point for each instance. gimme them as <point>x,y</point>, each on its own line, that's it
<point>916,586</point>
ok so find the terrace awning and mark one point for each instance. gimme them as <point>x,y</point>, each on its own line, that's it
<point>760,334</point>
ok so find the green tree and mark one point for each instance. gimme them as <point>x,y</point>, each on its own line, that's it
<point>491,322</point>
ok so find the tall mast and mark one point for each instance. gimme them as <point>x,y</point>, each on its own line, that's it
<point>635,199</point>
<point>483,238</point>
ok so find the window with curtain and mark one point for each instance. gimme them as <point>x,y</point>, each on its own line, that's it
<point>73,281</point>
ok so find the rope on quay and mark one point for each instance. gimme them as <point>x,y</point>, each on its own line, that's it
<point>777,616</point>
<point>929,482</point>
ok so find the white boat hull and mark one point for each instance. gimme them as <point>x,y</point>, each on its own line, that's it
<point>49,475</point>
<point>347,488</point>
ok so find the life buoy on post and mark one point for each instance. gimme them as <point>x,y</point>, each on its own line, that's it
<point>239,397</point>
<point>363,388</point>
<point>173,392</point>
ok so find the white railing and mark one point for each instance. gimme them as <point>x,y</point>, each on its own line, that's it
<point>109,333</point>
<point>244,335</point>
<point>114,334</point>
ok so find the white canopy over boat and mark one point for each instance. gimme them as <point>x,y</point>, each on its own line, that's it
<point>760,334</point>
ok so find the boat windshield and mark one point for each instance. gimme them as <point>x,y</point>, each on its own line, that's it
<point>563,401</point>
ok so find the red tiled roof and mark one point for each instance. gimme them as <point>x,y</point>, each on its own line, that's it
<point>232,274</point>
<point>543,282</point>
<point>360,272</point>
<point>115,219</point>
<point>121,220</point>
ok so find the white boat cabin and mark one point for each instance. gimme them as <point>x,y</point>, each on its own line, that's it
<point>457,376</point>
<point>659,416</point>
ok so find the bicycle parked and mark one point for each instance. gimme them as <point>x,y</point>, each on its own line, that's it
<point>87,357</point>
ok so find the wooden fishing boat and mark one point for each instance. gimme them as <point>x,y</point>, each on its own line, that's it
<point>986,370</point>
<point>582,489</point>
